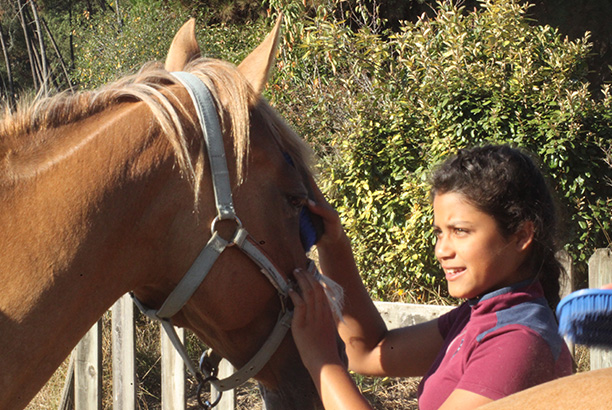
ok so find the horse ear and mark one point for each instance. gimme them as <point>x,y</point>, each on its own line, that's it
<point>184,47</point>
<point>256,67</point>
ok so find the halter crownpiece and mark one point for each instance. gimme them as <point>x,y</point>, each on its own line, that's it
<point>207,115</point>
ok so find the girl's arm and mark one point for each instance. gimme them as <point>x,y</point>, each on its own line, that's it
<point>314,332</point>
<point>370,347</point>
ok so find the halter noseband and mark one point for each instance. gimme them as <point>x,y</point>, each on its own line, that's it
<point>181,294</point>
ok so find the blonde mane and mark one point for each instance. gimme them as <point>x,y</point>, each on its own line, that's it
<point>230,91</point>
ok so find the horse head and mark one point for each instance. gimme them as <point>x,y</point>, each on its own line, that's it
<point>236,308</point>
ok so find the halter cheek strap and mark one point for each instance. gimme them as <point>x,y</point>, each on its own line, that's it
<point>181,294</point>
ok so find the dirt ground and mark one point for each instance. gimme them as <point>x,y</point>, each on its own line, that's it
<point>383,394</point>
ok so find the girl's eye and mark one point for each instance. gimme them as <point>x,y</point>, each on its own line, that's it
<point>460,231</point>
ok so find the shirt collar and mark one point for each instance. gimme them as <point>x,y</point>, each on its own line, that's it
<point>505,290</point>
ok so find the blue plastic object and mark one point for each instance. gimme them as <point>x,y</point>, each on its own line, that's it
<point>311,226</point>
<point>308,232</point>
<point>585,317</point>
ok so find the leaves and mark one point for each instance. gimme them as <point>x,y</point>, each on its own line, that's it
<point>386,107</point>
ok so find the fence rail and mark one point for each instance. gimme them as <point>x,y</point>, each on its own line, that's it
<point>86,381</point>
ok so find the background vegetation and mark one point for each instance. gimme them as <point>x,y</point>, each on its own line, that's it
<point>386,106</point>
<point>380,99</point>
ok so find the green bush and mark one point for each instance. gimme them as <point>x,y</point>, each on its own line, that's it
<point>382,108</point>
<point>108,48</point>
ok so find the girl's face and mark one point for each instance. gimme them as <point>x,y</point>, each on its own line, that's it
<point>474,255</point>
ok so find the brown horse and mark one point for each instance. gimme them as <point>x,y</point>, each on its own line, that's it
<point>109,191</point>
<point>583,391</point>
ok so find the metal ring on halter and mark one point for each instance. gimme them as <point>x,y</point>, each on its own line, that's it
<point>205,366</point>
<point>213,226</point>
<point>207,404</point>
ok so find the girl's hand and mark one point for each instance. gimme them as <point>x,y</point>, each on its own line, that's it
<point>314,332</point>
<point>313,326</point>
<point>331,220</point>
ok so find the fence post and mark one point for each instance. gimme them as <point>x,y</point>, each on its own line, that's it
<point>567,286</point>
<point>88,370</point>
<point>173,373</point>
<point>228,400</point>
<point>67,402</point>
<point>568,283</point>
<point>600,273</point>
<point>124,351</point>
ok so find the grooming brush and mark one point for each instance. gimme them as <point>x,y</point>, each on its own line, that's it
<point>311,228</point>
<point>585,317</point>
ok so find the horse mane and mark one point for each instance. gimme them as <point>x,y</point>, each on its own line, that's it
<point>229,90</point>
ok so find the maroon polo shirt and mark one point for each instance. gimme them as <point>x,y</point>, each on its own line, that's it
<point>496,345</point>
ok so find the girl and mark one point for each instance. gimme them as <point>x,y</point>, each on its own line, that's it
<point>494,219</point>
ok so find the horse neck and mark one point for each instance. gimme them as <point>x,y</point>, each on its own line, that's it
<point>75,222</point>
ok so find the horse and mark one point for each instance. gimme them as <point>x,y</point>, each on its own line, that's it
<point>108,191</point>
<point>581,391</point>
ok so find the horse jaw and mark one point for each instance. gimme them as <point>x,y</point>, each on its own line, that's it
<point>256,67</point>
<point>184,47</point>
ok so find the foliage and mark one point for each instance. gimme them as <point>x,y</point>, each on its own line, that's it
<point>225,11</point>
<point>108,48</point>
<point>383,108</point>
<point>16,50</point>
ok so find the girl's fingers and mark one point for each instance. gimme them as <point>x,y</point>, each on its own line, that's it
<point>296,298</point>
<point>313,297</point>
<point>331,219</point>
<point>324,210</point>
<point>313,327</point>
<point>306,286</point>
<point>299,308</point>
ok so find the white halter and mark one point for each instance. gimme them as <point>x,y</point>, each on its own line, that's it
<point>213,138</point>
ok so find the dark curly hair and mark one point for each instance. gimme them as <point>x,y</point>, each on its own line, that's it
<point>507,183</point>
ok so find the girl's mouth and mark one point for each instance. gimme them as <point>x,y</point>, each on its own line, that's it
<point>453,273</point>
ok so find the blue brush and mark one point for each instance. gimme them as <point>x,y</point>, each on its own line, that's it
<point>309,231</point>
<point>311,226</point>
<point>585,317</point>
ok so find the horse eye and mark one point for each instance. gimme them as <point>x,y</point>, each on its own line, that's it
<point>296,201</point>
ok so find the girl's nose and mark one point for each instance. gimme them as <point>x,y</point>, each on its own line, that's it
<point>443,249</point>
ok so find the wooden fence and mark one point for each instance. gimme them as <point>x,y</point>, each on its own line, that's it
<point>84,380</point>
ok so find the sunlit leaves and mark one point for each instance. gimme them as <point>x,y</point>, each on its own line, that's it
<point>383,108</point>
